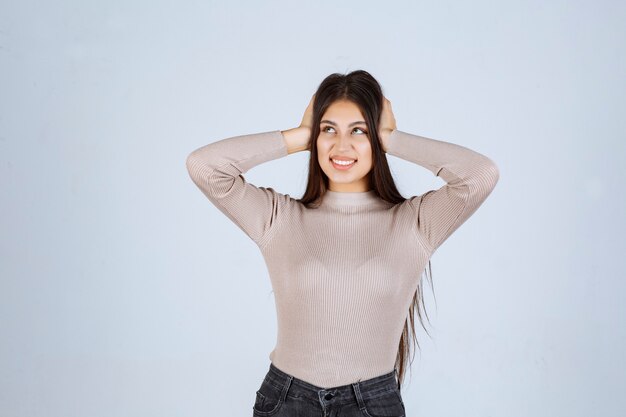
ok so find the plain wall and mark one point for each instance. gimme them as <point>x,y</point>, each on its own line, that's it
<point>124,292</point>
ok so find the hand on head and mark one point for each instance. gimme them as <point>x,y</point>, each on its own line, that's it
<point>387,123</point>
<point>307,119</point>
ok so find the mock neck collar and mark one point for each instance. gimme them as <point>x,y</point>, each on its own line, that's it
<point>341,198</point>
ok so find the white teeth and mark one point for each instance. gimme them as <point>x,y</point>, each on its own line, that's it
<point>343,162</point>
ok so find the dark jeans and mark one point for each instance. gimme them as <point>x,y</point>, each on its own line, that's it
<point>283,395</point>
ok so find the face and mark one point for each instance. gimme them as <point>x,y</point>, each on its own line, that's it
<point>344,139</point>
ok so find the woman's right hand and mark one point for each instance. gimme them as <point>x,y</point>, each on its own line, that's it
<point>299,138</point>
<point>307,119</point>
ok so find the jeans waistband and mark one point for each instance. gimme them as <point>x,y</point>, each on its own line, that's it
<point>360,390</point>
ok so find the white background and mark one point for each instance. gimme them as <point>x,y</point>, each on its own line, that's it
<point>124,292</point>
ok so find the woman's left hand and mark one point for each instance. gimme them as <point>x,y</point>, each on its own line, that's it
<point>387,123</point>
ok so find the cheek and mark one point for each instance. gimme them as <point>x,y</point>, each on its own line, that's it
<point>323,151</point>
<point>320,146</point>
<point>366,153</point>
<point>367,161</point>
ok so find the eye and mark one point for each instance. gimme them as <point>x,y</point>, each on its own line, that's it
<point>363,132</point>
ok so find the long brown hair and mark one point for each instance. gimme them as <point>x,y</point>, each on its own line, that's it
<point>362,89</point>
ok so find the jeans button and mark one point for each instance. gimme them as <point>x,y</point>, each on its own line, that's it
<point>328,396</point>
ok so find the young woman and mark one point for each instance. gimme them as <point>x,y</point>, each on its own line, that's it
<point>345,260</point>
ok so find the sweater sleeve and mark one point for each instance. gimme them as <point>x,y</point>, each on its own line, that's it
<point>470,177</point>
<point>217,170</point>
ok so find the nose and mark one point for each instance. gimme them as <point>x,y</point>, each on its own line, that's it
<point>343,142</point>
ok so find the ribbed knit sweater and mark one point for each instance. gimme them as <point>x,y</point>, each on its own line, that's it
<point>343,274</point>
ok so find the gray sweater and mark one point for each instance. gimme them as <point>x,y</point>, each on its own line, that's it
<point>343,274</point>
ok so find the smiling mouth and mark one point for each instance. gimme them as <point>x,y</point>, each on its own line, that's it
<point>343,160</point>
<point>342,164</point>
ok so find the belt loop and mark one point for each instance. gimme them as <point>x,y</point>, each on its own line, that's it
<point>357,394</point>
<point>283,394</point>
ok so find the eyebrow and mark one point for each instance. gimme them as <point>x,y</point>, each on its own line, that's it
<point>351,124</point>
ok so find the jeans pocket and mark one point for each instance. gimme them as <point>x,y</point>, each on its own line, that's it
<point>268,400</point>
<point>388,404</point>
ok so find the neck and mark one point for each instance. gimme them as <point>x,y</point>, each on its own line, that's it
<point>361,198</point>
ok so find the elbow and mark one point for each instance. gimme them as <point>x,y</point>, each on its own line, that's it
<point>190,161</point>
<point>489,177</point>
<point>192,165</point>
<point>198,169</point>
<point>215,181</point>
<point>492,173</point>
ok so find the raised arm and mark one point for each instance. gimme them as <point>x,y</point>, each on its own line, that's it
<point>470,177</point>
<point>217,170</point>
